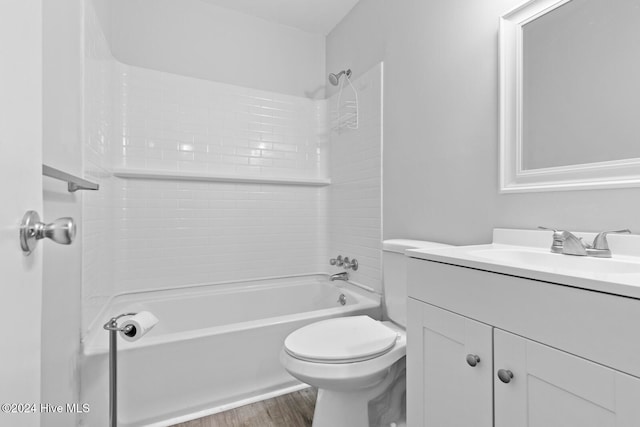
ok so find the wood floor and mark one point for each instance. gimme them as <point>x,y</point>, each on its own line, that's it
<point>289,410</point>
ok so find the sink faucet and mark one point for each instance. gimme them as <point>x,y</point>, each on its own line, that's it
<point>339,276</point>
<point>572,245</point>
<point>567,243</point>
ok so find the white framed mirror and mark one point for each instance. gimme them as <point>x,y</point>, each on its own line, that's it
<point>570,95</point>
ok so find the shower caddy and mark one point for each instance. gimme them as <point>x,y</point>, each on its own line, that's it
<point>346,113</point>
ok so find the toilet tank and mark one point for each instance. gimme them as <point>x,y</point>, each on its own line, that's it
<point>395,275</point>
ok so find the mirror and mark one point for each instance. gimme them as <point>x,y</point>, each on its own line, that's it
<point>570,95</point>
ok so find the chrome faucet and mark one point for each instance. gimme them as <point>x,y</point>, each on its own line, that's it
<point>344,262</point>
<point>567,243</point>
<point>572,245</point>
<point>340,276</point>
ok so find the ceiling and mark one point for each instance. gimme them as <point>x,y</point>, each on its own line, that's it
<point>314,16</point>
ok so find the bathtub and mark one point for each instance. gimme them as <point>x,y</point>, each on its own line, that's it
<point>216,346</point>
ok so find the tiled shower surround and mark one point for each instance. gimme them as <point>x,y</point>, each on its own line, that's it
<point>142,234</point>
<point>355,196</point>
<point>172,122</point>
<point>173,233</point>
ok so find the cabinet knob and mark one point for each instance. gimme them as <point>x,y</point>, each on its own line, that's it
<point>505,375</point>
<point>473,359</point>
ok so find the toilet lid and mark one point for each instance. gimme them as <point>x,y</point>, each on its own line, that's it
<point>341,340</point>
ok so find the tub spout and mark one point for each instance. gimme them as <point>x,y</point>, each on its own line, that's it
<point>340,276</point>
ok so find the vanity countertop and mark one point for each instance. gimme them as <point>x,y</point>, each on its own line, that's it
<point>525,253</point>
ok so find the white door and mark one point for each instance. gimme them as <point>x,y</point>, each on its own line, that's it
<point>449,369</point>
<point>20,190</point>
<point>551,388</point>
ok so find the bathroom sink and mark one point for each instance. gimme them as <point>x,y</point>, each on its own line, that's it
<point>526,253</point>
<point>565,264</point>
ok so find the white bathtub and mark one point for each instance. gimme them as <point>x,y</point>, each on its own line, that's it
<point>216,346</point>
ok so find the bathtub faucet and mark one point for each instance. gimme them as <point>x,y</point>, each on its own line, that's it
<point>340,276</point>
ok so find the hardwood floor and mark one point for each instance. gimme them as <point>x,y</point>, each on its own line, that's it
<point>289,410</point>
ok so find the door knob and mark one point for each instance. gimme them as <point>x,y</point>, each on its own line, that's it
<point>473,359</point>
<point>505,375</point>
<point>62,230</point>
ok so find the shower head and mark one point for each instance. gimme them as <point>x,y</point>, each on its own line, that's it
<point>335,78</point>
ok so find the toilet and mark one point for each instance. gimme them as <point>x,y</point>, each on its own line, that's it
<point>358,363</point>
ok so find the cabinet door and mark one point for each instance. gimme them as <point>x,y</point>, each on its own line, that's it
<point>443,389</point>
<point>551,388</point>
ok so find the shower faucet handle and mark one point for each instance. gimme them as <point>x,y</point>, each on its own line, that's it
<point>353,264</point>
<point>344,262</point>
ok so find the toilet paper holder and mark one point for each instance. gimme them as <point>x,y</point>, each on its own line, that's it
<point>112,324</point>
<point>113,328</point>
<point>130,333</point>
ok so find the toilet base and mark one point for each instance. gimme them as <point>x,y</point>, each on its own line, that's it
<point>340,409</point>
<point>351,408</point>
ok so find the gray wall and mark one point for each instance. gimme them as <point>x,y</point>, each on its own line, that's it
<point>441,125</point>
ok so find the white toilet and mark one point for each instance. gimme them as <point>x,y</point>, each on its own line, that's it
<point>358,363</point>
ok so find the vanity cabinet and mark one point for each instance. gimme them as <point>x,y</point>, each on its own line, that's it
<point>549,355</point>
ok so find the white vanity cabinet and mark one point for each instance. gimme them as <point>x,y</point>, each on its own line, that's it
<point>568,357</point>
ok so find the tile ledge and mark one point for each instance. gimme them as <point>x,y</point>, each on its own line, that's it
<point>198,176</point>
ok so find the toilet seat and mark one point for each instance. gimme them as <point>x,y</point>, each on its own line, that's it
<point>341,340</point>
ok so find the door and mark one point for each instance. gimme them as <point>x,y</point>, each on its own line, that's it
<point>449,369</point>
<point>551,388</point>
<point>20,190</point>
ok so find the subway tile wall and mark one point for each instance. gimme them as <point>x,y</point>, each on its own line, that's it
<point>174,233</point>
<point>355,201</point>
<point>178,123</point>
